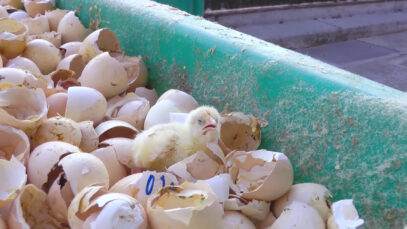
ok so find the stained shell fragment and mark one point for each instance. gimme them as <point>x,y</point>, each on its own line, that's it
<point>114,129</point>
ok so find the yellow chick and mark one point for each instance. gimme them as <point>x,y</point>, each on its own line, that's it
<point>163,145</point>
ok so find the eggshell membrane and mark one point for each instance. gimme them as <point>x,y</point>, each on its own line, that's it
<point>190,205</point>
<point>105,74</point>
<point>30,210</point>
<point>267,222</point>
<point>19,77</point>
<point>59,197</point>
<point>92,108</point>
<point>57,104</point>
<point>261,174</point>
<point>298,215</point>
<point>182,100</point>
<point>58,129</point>
<point>256,210</point>
<point>54,17</point>
<point>115,128</point>
<point>36,25</point>
<point>344,216</point>
<point>12,178</point>
<point>123,148</point>
<point>90,139</point>
<point>14,3</point>
<point>23,109</point>
<point>54,37</point>
<point>12,37</point>
<point>142,185</point>
<point>236,220</point>
<point>315,195</point>
<point>24,64</point>
<point>149,94</point>
<point>136,71</point>
<point>115,169</point>
<point>44,54</point>
<point>44,158</point>
<point>160,113</point>
<point>18,15</point>
<point>72,29</point>
<point>99,41</point>
<point>34,7</point>
<point>83,169</point>
<point>14,143</point>
<point>70,48</point>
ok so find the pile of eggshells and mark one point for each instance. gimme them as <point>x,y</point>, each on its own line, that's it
<point>71,104</point>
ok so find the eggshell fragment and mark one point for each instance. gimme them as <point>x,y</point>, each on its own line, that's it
<point>115,169</point>
<point>14,3</point>
<point>105,74</point>
<point>30,210</point>
<point>160,113</point>
<point>43,161</point>
<point>72,29</point>
<point>142,185</point>
<point>315,195</point>
<point>14,143</point>
<point>12,37</point>
<point>18,15</point>
<point>136,71</point>
<point>12,178</point>
<point>90,139</point>
<point>57,104</point>
<point>24,64</point>
<point>99,41</point>
<point>190,205</point>
<point>261,174</point>
<point>34,7</point>
<point>236,220</point>
<point>70,48</point>
<point>44,54</point>
<point>123,148</point>
<point>298,215</point>
<point>54,17</point>
<point>58,129</point>
<point>92,108</point>
<point>267,222</point>
<point>36,25</point>
<point>149,94</point>
<point>73,62</point>
<point>182,100</point>
<point>19,78</point>
<point>114,129</point>
<point>256,210</point>
<point>344,216</point>
<point>53,37</point>
<point>59,197</point>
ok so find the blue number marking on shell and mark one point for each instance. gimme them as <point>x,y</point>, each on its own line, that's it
<point>163,180</point>
<point>150,184</point>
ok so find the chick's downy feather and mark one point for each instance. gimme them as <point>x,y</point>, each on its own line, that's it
<point>165,144</point>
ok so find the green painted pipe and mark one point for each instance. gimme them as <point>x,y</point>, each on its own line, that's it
<point>195,7</point>
<point>338,129</point>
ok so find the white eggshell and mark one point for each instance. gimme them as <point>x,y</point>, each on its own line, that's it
<point>14,143</point>
<point>44,54</point>
<point>114,129</point>
<point>90,139</point>
<point>160,113</point>
<point>115,169</point>
<point>3,12</point>
<point>18,15</point>
<point>19,77</point>
<point>182,100</point>
<point>72,29</point>
<point>54,17</point>
<point>99,41</point>
<point>59,197</point>
<point>73,62</point>
<point>236,220</point>
<point>57,104</point>
<point>34,7</point>
<point>256,210</point>
<point>24,64</point>
<point>54,37</point>
<point>58,129</point>
<point>136,71</point>
<point>36,25</point>
<point>344,216</point>
<point>92,108</point>
<point>267,222</point>
<point>70,48</point>
<point>12,178</point>
<point>149,94</point>
<point>123,148</point>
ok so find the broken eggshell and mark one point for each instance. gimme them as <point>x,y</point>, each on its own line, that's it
<point>315,195</point>
<point>19,78</point>
<point>14,143</point>
<point>189,205</point>
<point>54,17</point>
<point>261,174</point>
<point>36,25</point>
<point>344,216</point>
<point>34,7</point>
<point>90,139</point>
<point>114,129</point>
<point>256,210</point>
<point>142,185</point>
<point>150,94</point>
<point>12,178</point>
<point>12,37</point>
<point>73,62</point>
<point>298,215</point>
<point>99,41</point>
<point>70,48</point>
<point>59,197</point>
<point>53,37</point>
<point>18,4</point>
<point>136,71</point>
<point>24,64</point>
<point>92,108</point>
<point>44,54</point>
<point>182,100</point>
<point>72,29</point>
<point>236,220</point>
<point>267,222</point>
<point>160,113</point>
<point>57,104</point>
<point>123,148</point>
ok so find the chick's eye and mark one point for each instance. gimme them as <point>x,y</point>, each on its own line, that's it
<point>200,122</point>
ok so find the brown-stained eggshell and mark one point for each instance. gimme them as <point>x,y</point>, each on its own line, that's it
<point>72,29</point>
<point>14,142</point>
<point>114,129</point>
<point>59,197</point>
<point>34,7</point>
<point>99,41</point>
<point>18,4</point>
<point>12,178</point>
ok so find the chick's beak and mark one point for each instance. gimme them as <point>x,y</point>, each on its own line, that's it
<point>210,125</point>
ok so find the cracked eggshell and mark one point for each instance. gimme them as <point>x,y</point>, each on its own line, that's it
<point>190,205</point>
<point>23,108</point>
<point>123,148</point>
<point>43,162</point>
<point>136,71</point>
<point>182,100</point>
<point>73,62</point>
<point>23,64</point>
<point>198,166</point>
<point>267,222</point>
<point>160,113</point>
<point>44,54</point>
<point>315,195</point>
<point>149,94</point>
<point>30,210</point>
<point>142,185</point>
<point>115,169</point>
<point>70,48</point>
<point>236,220</point>
<point>114,129</point>
<point>14,143</point>
<point>53,37</point>
<point>261,174</point>
<point>36,25</point>
<point>54,17</point>
<point>12,178</point>
<point>58,129</point>
<point>256,210</point>
<point>72,29</point>
<point>105,74</point>
<point>57,104</point>
<point>12,37</point>
<point>92,108</point>
<point>298,215</point>
<point>344,216</point>
<point>59,197</point>
<point>99,41</point>
<point>130,108</point>
<point>90,139</point>
<point>19,77</point>
<point>240,131</point>
<point>34,7</point>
